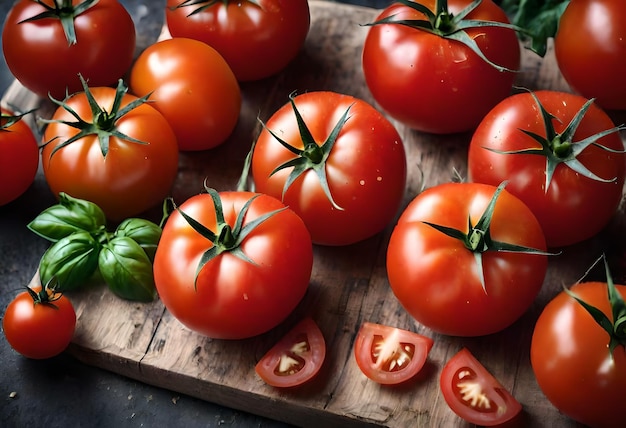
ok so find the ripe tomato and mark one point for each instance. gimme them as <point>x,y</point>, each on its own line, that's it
<point>474,394</point>
<point>193,87</point>
<point>296,358</point>
<point>571,359</point>
<point>256,38</point>
<point>252,283</point>
<point>590,50</point>
<point>433,83</point>
<point>390,355</point>
<point>39,323</point>
<point>128,177</point>
<point>437,278</point>
<point>574,207</point>
<point>19,156</point>
<point>39,55</point>
<point>363,165</point>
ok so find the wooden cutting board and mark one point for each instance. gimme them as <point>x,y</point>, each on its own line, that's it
<point>348,285</point>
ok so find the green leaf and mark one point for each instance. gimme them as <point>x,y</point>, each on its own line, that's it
<point>144,232</point>
<point>127,270</point>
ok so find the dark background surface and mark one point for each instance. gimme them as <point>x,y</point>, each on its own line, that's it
<point>62,392</point>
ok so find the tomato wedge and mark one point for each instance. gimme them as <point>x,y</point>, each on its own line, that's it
<point>474,394</point>
<point>294,359</point>
<point>390,355</point>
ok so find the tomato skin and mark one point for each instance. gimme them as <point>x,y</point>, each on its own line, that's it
<point>256,41</point>
<point>465,368</point>
<point>305,344</point>
<point>418,79</point>
<point>193,87</point>
<point>19,159</point>
<point>436,278</point>
<point>366,167</point>
<point>590,50</point>
<point>132,178</point>
<point>39,331</point>
<point>570,358</point>
<point>378,346</point>
<point>234,299</point>
<point>575,207</point>
<point>38,54</point>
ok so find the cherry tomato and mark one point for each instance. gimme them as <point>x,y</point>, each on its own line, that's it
<point>438,279</point>
<point>193,87</point>
<point>571,359</point>
<point>296,358</point>
<point>133,174</point>
<point>251,282</point>
<point>390,355</point>
<point>590,50</point>
<point>256,38</point>
<point>19,156</point>
<point>474,394</point>
<point>574,207</point>
<point>341,176</point>
<point>41,57</point>
<point>437,84</point>
<point>39,323</point>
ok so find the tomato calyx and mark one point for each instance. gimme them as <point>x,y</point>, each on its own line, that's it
<point>445,24</point>
<point>560,148</point>
<point>103,123</point>
<point>478,238</point>
<point>205,4</point>
<point>8,120</point>
<point>228,238</point>
<point>65,12</point>
<point>47,295</point>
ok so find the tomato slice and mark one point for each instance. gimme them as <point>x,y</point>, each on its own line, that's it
<point>474,394</point>
<point>390,355</point>
<point>296,358</point>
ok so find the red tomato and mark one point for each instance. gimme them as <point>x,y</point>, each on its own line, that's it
<point>436,84</point>
<point>590,50</point>
<point>39,324</point>
<point>574,207</point>
<point>256,38</point>
<point>231,297</point>
<point>19,156</point>
<point>132,177</point>
<point>437,278</point>
<point>296,358</point>
<point>39,55</point>
<point>474,394</point>
<point>365,168</point>
<point>193,87</point>
<point>390,355</point>
<point>570,357</point>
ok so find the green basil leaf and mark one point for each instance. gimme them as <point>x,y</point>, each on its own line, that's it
<point>71,260</point>
<point>70,215</point>
<point>146,233</point>
<point>127,270</point>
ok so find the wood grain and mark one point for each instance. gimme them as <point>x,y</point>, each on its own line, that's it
<point>348,284</point>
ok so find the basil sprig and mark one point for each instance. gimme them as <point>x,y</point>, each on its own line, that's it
<point>82,248</point>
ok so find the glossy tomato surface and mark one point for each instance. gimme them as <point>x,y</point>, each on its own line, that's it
<point>132,177</point>
<point>434,84</point>
<point>365,170</point>
<point>40,57</point>
<point>590,49</point>
<point>193,87</point>
<point>437,279</point>
<point>474,394</point>
<point>256,38</point>
<point>233,298</point>
<point>294,359</point>
<point>19,157</point>
<point>570,358</point>
<point>390,355</point>
<point>574,207</point>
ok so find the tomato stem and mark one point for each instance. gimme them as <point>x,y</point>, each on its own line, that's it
<point>66,13</point>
